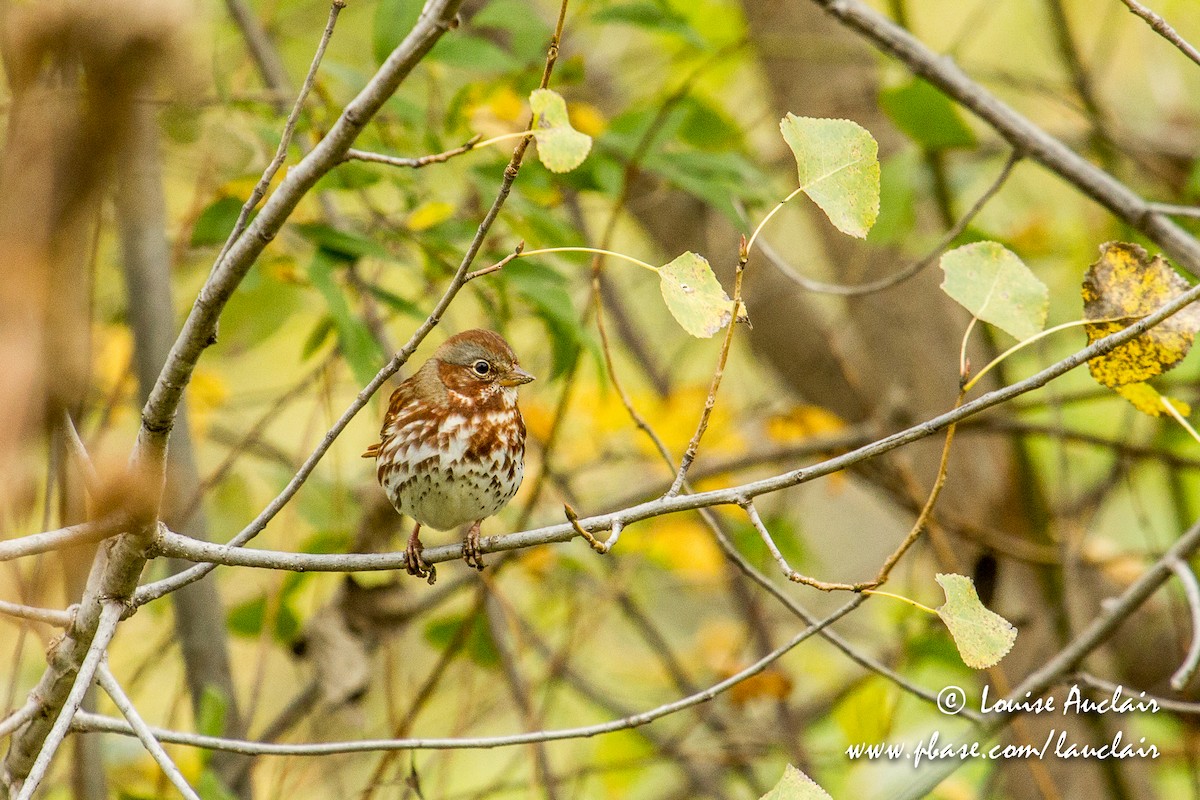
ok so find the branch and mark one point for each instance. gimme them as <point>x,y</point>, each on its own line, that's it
<point>50,616</point>
<point>1164,30</point>
<point>942,72</point>
<point>83,533</point>
<point>1191,590</point>
<point>1071,656</point>
<point>161,588</point>
<point>107,626</point>
<point>143,732</point>
<point>181,547</point>
<point>412,163</point>
<point>126,557</point>
<point>99,723</point>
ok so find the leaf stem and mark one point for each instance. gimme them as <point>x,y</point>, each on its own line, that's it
<point>1072,324</point>
<point>596,250</point>
<point>963,369</point>
<point>504,137</point>
<point>767,218</point>
<point>1174,412</point>
<point>902,598</point>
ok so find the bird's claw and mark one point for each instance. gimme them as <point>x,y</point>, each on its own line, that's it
<point>417,566</point>
<point>471,553</point>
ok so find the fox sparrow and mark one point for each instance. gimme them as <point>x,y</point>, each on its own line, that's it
<point>452,447</point>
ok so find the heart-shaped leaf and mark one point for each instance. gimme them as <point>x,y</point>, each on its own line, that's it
<point>694,296</point>
<point>1126,285</point>
<point>795,785</point>
<point>561,148</point>
<point>838,162</point>
<point>996,286</point>
<point>982,637</point>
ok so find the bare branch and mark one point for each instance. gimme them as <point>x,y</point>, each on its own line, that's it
<point>413,163</point>
<point>143,732</point>
<point>50,616</point>
<point>97,722</point>
<point>83,533</point>
<point>1022,134</point>
<point>1163,29</point>
<point>1191,590</point>
<point>107,626</point>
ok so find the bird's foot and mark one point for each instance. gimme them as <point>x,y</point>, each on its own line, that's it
<point>471,553</point>
<point>414,563</point>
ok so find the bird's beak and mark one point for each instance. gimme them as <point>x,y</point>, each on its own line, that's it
<point>515,377</point>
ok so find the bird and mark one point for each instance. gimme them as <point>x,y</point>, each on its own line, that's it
<point>452,446</point>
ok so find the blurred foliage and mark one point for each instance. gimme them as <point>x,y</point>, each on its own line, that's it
<point>678,85</point>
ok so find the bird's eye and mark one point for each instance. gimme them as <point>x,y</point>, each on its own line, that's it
<point>481,367</point>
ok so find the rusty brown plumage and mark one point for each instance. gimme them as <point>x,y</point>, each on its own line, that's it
<point>452,446</point>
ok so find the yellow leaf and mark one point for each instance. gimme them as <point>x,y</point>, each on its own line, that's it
<point>506,105</point>
<point>112,364</point>
<point>428,214</point>
<point>684,546</point>
<point>770,684</point>
<point>206,393</point>
<point>1126,284</point>
<point>1145,398</point>
<point>588,119</point>
<point>803,422</point>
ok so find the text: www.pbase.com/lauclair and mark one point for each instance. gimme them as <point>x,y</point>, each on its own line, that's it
<point>1057,745</point>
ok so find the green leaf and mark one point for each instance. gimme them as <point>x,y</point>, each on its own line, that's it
<point>214,706</point>
<point>655,17</point>
<point>561,148</point>
<point>546,292</point>
<point>795,785</point>
<point>694,296</point>
<point>983,637</point>
<point>996,286</point>
<point>216,222</point>
<point>479,645</point>
<point>362,352</point>
<point>838,163</point>
<point>246,619</point>
<point>926,115</point>
<point>210,787</point>
<point>347,245</point>
<point>393,20</point>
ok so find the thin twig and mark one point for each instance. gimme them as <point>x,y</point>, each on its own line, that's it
<point>1166,703</point>
<point>499,265</point>
<point>289,128</point>
<point>113,689</point>
<point>79,451</point>
<point>710,401</point>
<point>413,163</point>
<point>98,723</point>
<point>107,626</point>
<point>1172,210</point>
<point>1191,590</point>
<point>1163,29</point>
<point>786,269</point>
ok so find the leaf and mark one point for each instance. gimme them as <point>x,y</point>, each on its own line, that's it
<point>651,17</point>
<point>214,706</point>
<point>216,222</point>
<point>996,286</point>
<point>362,352</point>
<point>350,246</point>
<point>983,637</point>
<point>1125,283</point>
<point>693,295</point>
<point>926,115</point>
<point>479,645</point>
<point>561,148</point>
<point>246,619</point>
<point>428,214</point>
<point>210,787</point>
<point>1145,398</point>
<point>795,785</point>
<point>393,20</point>
<point>838,163</point>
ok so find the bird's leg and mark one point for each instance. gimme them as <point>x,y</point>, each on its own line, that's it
<point>414,563</point>
<point>471,553</point>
